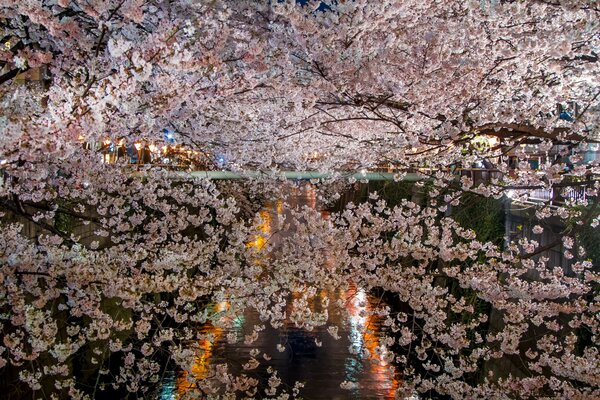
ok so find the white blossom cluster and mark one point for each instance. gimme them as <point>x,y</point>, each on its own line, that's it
<point>115,261</point>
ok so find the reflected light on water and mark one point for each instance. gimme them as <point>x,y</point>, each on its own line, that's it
<point>365,340</point>
<point>206,347</point>
<point>265,228</point>
<point>357,357</point>
<point>202,362</point>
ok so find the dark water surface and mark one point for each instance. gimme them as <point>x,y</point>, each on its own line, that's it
<point>311,356</point>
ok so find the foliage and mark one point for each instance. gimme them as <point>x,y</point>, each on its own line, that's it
<point>430,90</point>
<point>483,215</point>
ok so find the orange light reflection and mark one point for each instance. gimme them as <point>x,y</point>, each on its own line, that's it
<point>366,335</point>
<point>202,362</point>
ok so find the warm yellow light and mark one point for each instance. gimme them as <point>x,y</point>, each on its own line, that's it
<point>137,146</point>
<point>106,142</point>
<point>152,148</point>
<point>258,243</point>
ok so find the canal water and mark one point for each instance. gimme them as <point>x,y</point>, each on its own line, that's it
<point>318,362</point>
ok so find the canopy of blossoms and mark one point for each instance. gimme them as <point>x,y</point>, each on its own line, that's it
<point>489,99</point>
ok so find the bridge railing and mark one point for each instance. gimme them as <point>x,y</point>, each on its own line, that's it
<point>576,193</point>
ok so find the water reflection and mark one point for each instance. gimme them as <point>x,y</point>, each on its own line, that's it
<point>310,354</point>
<point>200,369</point>
<point>265,227</point>
<point>365,334</point>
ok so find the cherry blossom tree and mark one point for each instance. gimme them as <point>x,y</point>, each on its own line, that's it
<point>122,261</point>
